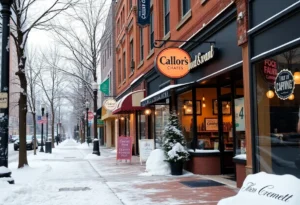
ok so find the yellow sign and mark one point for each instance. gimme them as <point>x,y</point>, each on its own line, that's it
<point>173,62</point>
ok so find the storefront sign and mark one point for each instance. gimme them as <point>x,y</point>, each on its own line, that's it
<point>173,62</point>
<point>110,104</point>
<point>201,58</point>
<point>156,98</point>
<point>239,114</point>
<point>145,148</point>
<point>270,70</point>
<point>284,84</point>
<point>124,151</point>
<point>143,12</point>
<point>263,188</point>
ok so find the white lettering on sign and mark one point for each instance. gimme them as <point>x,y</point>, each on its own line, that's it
<point>202,58</point>
<point>3,100</point>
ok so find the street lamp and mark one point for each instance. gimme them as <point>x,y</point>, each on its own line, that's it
<point>42,130</point>
<point>96,147</point>
<point>47,126</point>
<point>6,13</point>
<point>87,104</point>
<point>83,128</point>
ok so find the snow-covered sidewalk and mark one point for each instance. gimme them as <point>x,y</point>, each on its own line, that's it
<point>49,180</point>
<point>72,175</point>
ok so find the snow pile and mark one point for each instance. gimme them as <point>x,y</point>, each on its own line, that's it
<point>178,153</point>
<point>156,164</point>
<point>204,151</point>
<point>240,156</point>
<point>114,151</point>
<point>263,188</point>
<point>4,170</point>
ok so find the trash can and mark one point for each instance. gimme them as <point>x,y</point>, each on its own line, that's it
<point>48,147</point>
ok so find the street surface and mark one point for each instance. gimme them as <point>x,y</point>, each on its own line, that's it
<point>71,175</point>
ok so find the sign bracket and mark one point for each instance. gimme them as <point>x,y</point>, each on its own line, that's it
<point>161,43</point>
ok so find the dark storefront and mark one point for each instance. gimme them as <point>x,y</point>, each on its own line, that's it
<point>274,39</point>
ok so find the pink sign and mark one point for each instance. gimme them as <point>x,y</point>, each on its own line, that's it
<point>124,148</point>
<point>270,70</point>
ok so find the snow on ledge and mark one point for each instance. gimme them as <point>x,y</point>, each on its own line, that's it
<point>241,156</point>
<point>4,170</point>
<point>204,151</point>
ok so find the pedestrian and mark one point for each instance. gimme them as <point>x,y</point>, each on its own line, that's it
<point>57,139</point>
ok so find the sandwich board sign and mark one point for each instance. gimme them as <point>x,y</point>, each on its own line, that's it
<point>124,149</point>
<point>145,148</point>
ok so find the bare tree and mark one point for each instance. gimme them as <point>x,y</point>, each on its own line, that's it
<point>33,70</point>
<point>52,82</point>
<point>26,16</point>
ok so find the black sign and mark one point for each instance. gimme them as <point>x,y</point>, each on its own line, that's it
<point>156,98</point>
<point>144,12</point>
<point>284,84</point>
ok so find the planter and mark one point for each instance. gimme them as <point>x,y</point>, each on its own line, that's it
<point>176,168</point>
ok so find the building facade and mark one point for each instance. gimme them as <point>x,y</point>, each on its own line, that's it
<point>232,112</point>
<point>108,73</point>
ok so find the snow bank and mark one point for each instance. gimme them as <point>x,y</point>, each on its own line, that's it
<point>263,188</point>
<point>156,164</point>
<point>4,170</point>
<point>204,151</point>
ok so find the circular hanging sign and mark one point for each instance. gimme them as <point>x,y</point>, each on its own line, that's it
<point>110,104</point>
<point>173,62</point>
<point>284,84</point>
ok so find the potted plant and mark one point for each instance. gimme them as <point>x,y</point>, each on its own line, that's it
<point>174,145</point>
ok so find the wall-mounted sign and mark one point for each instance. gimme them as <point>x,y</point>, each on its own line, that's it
<point>3,100</point>
<point>144,12</point>
<point>269,70</point>
<point>104,87</point>
<point>239,114</point>
<point>284,84</point>
<point>110,104</point>
<point>173,62</point>
<point>201,58</point>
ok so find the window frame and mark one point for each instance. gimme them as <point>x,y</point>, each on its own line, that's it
<point>166,16</point>
<point>151,31</point>
<point>131,51</point>
<point>124,66</point>
<point>183,2</point>
<point>141,44</point>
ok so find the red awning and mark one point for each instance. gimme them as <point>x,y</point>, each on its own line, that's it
<point>130,102</point>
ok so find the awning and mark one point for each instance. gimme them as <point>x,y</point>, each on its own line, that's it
<point>161,94</point>
<point>130,102</point>
<point>106,114</point>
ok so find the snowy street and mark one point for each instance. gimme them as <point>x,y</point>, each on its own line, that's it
<point>72,175</point>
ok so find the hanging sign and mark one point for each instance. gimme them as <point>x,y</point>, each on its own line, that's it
<point>239,114</point>
<point>284,84</point>
<point>143,12</point>
<point>124,150</point>
<point>104,87</point>
<point>110,104</point>
<point>201,58</point>
<point>269,69</point>
<point>173,62</point>
<point>145,148</point>
<point>3,100</point>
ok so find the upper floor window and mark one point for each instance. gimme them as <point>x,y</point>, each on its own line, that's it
<point>186,6</point>
<point>151,31</point>
<point>130,4</point>
<point>124,66</point>
<point>141,44</point>
<point>120,71</point>
<point>131,56</point>
<point>166,16</point>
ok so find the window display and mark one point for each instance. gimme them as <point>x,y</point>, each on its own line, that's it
<point>278,113</point>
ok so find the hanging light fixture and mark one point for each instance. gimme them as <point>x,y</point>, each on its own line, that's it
<point>297,77</point>
<point>184,107</point>
<point>122,118</point>
<point>270,94</point>
<point>203,98</point>
<point>147,112</point>
<point>227,105</point>
<point>203,105</point>
<point>291,97</point>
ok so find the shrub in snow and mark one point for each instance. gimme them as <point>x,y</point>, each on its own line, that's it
<point>156,163</point>
<point>174,142</point>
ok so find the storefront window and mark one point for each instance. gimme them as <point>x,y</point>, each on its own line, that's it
<point>142,126</point>
<point>278,113</point>
<point>161,120</point>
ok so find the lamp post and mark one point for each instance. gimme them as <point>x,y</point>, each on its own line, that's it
<point>5,11</point>
<point>83,127</point>
<point>47,126</point>
<point>42,130</point>
<point>87,104</point>
<point>96,147</point>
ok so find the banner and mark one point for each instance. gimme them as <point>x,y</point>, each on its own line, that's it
<point>144,12</point>
<point>104,87</point>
